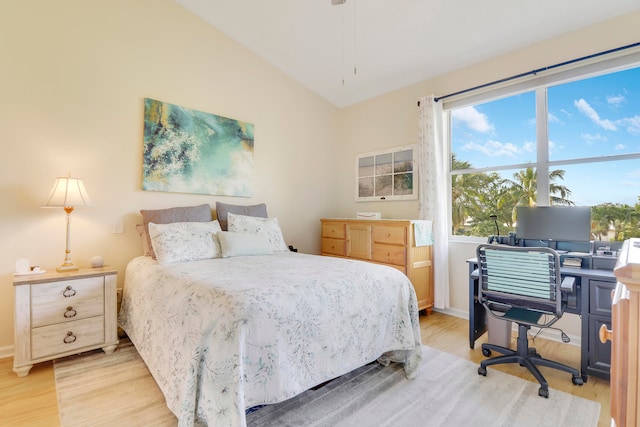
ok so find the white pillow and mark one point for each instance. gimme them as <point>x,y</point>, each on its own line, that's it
<point>184,241</point>
<point>237,244</point>
<point>252,224</point>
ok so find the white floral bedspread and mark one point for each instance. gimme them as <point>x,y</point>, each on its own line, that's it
<point>226,334</point>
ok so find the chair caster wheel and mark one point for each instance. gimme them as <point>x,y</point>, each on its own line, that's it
<point>486,352</point>
<point>577,381</point>
<point>543,392</point>
<point>482,371</point>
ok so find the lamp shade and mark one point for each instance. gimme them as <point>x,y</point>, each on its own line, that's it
<point>67,192</point>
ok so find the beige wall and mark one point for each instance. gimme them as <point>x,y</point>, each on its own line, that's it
<point>72,82</point>
<point>74,76</point>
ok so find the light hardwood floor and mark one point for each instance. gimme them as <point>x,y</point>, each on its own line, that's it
<point>31,401</point>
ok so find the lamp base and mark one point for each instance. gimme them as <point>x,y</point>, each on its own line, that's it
<point>66,267</point>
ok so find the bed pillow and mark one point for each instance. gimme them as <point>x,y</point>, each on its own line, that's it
<point>238,244</point>
<point>184,241</point>
<point>223,209</point>
<point>266,226</point>
<point>201,213</point>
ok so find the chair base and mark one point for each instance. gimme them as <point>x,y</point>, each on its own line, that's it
<point>527,357</point>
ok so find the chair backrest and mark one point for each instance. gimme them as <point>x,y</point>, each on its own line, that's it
<point>520,277</point>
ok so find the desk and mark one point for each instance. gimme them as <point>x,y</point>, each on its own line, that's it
<point>592,302</point>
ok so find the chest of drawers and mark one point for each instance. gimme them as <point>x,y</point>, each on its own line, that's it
<point>59,314</point>
<point>389,242</point>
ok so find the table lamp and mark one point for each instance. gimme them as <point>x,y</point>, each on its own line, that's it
<point>67,193</point>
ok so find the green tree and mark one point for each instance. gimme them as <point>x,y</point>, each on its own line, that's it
<point>523,190</point>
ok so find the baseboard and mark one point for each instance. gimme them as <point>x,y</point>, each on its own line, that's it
<point>549,334</point>
<point>6,351</point>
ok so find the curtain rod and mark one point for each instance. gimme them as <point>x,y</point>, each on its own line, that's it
<point>533,72</point>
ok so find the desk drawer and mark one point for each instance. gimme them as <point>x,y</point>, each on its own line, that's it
<point>66,300</point>
<point>600,297</point>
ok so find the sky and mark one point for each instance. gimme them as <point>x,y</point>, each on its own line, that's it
<point>599,116</point>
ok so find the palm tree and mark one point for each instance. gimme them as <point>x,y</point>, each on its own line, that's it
<point>523,190</point>
<point>467,193</point>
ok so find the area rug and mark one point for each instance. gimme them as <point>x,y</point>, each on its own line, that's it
<point>95,389</point>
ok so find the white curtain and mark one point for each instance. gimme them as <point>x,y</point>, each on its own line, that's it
<point>433,189</point>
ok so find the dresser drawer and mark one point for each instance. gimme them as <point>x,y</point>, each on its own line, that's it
<point>50,340</point>
<point>390,234</point>
<point>333,246</point>
<point>389,254</point>
<point>334,230</point>
<point>84,298</point>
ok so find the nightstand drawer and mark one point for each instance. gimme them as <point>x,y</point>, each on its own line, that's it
<point>67,300</point>
<point>65,337</point>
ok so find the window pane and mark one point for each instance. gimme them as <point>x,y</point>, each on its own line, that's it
<point>475,197</point>
<point>384,186</point>
<point>365,187</point>
<point>383,164</point>
<point>403,184</point>
<point>592,184</point>
<point>403,161</point>
<point>496,133</point>
<point>365,166</point>
<point>599,116</point>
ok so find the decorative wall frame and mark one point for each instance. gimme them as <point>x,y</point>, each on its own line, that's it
<point>387,175</point>
<point>189,151</point>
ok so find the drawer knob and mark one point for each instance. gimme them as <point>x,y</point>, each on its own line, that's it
<point>70,312</point>
<point>69,338</point>
<point>605,334</point>
<point>69,292</point>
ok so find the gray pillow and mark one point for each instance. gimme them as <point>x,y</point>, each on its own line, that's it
<point>201,213</point>
<point>222,209</point>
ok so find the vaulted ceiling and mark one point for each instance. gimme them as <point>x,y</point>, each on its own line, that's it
<point>355,51</point>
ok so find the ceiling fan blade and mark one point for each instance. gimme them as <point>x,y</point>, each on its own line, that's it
<point>338,2</point>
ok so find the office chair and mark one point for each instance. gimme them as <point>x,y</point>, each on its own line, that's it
<point>523,285</point>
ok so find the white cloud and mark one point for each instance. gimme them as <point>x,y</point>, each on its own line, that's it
<point>586,109</point>
<point>615,100</point>
<point>530,147</point>
<point>553,118</point>
<point>473,119</point>
<point>494,148</point>
<point>632,124</point>
<point>593,138</point>
<point>566,113</point>
<point>619,147</point>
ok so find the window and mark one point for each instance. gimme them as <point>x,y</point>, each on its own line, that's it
<point>570,143</point>
<point>386,175</point>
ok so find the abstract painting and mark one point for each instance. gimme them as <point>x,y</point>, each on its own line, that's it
<point>189,151</point>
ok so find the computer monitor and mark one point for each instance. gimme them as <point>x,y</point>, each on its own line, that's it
<point>559,223</point>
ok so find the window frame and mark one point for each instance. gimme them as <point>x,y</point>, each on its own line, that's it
<point>392,151</point>
<point>591,68</point>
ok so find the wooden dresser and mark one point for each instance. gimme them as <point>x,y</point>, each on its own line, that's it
<point>625,338</point>
<point>59,314</point>
<point>388,242</point>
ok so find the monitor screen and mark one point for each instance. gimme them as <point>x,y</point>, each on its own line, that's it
<point>560,223</point>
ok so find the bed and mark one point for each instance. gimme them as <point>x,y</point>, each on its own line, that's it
<point>224,334</point>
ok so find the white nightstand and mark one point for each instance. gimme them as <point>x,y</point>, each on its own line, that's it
<point>60,314</point>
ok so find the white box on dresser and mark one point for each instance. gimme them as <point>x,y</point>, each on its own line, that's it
<point>60,314</point>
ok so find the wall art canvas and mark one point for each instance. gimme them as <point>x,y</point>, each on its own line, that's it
<point>189,151</point>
